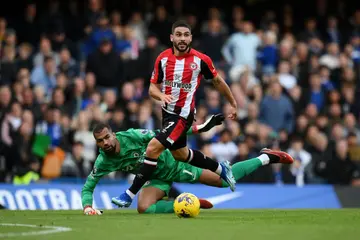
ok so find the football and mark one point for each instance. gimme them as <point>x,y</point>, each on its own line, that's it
<point>187,205</point>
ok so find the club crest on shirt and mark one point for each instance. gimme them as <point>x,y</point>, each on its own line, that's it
<point>193,66</point>
<point>93,172</point>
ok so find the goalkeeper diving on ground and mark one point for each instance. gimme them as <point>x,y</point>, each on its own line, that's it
<point>124,151</point>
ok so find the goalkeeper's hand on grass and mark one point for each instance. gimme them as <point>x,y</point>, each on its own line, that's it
<point>88,210</point>
<point>212,121</point>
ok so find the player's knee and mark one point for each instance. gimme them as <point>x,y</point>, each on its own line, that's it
<point>154,148</point>
<point>141,208</point>
<point>181,154</point>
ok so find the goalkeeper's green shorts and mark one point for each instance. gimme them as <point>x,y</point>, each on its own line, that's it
<point>186,174</point>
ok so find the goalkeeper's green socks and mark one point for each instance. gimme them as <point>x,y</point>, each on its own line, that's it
<point>242,169</point>
<point>161,206</point>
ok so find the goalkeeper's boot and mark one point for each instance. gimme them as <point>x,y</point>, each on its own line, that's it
<point>227,175</point>
<point>277,156</point>
<point>124,200</point>
<point>205,204</point>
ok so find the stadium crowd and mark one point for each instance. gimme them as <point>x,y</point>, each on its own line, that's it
<point>63,70</point>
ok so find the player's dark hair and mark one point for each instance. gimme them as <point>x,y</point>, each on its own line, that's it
<point>180,23</point>
<point>100,126</point>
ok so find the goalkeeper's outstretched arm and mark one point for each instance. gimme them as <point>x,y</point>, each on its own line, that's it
<point>88,190</point>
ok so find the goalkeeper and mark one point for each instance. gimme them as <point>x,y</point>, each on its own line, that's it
<point>123,151</point>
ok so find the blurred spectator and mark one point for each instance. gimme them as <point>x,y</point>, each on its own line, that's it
<point>213,39</point>
<point>93,12</point>
<point>50,126</point>
<point>286,79</point>
<point>137,23</point>
<point>60,41</point>
<point>331,58</point>
<point>5,99</point>
<point>26,164</point>
<point>340,169</point>
<point>316,93</point>
<point>9,127</point>
<point>225,149</point>
<point>302,159</point>
<point>67,64</point>
<point>74,164</point>
<point>8,66</point>
<point>24,60</point>
<point>244,47</point>
<point>310,30</point>
<point>268,54</point>
<point>147,56</point>
<point>102,31</point>
<point>332,32</point>
<point>83,134</point>
<point>118,121</point>
<point>45,51</point>
<point>44,75</point>
<point>276,110</point>
<point>106,65</point>
<point>29,103</point>
<point>161,25</point>
<point>29,26</point>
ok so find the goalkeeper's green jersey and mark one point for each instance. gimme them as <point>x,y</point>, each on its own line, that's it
<point>133,144</point>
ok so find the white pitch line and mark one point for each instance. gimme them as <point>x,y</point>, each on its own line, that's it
<point>51,229</point>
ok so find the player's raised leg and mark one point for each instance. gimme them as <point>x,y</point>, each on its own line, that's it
<point>198,159</point>
<point>242,169</point>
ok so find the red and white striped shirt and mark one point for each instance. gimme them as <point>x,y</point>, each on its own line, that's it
<point>180,77</point>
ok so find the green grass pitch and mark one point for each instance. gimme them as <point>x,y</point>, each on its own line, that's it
<point>342,224</point>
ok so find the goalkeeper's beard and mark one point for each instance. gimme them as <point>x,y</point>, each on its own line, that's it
<point>110,149</point>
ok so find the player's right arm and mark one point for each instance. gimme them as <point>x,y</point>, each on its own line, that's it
<point>154,92</point>
<point>156,81</point>
<point>88,189</point>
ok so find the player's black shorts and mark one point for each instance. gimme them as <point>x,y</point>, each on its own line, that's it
<point>174,128</point>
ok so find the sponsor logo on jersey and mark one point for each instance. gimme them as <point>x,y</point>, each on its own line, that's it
<point>185,86</point>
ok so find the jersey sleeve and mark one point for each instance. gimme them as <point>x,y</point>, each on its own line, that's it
<point>157,74</point>
<point>92,180</point>
<point>207,68</point>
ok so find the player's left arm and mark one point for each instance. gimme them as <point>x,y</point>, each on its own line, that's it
<point>209,72</point>
<point>220,84</point>
<point>88,189</point>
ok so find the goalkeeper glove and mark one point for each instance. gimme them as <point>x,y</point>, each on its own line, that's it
<point>88,210</point>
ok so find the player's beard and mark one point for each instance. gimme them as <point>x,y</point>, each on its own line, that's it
<point>110,149</point>
<point>183,48</point>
